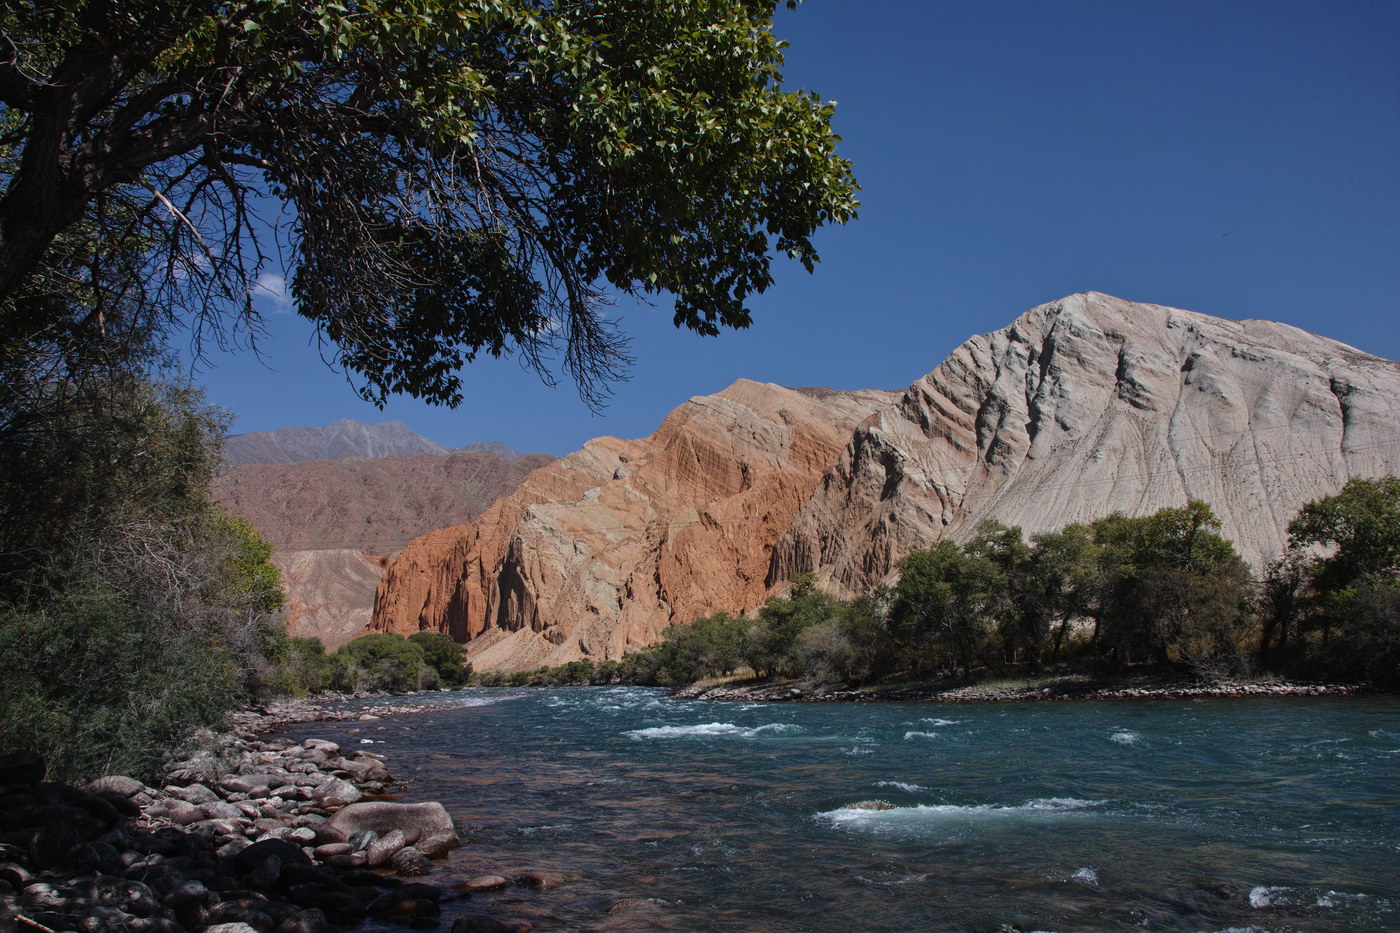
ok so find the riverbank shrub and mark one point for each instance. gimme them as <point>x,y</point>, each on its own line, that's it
<point>132,608</point>
<point>383,661</point>
<point>124,651</point>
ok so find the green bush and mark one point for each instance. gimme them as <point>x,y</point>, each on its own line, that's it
<point>389,662</point>
<point>444,655</point>
<point>104,675</point>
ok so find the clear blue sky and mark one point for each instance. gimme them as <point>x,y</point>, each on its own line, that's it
<point>1235,158</point>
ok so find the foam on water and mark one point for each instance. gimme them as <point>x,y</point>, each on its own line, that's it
<point>892,879</point>
<point>931,815</point>
<point>920,735</point>
<point>907,788</point>
<point>474,701</point>
<point>1126,737</point>
<point>712,729</point>
<point>941,722</point>
<point>1086,876</point>
<point>1264,897</point>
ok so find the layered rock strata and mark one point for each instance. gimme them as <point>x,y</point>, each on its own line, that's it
<point>596,553</point>
<point>1091,405</point>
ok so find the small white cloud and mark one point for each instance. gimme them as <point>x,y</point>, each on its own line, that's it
<point>272,288</point>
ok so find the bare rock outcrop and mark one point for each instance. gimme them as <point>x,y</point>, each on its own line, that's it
<point>596,553</point>
<point>1091,405</point>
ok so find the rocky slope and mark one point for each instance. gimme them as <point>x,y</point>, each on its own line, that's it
<point>1079,408</point>
<point>332,522</point>
<point>1091,405</point>
<point>597,552</point>
<point>345,438</point>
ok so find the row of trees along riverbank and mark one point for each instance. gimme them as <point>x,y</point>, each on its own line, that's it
<point>1164,593</point>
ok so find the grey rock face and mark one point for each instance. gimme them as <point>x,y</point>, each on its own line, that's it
<point>1092,405</point>
<point>345,438</point>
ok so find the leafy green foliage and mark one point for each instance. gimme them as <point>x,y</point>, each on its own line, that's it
<point>461,176</point>
<point>388,662</point>
<point>131,608</point>
<point>770,643</point>
<point>943,606</point>
<point>445,656</point>
<point>1333,597</point>
<point>107,674</point>
<point>1172,589</point>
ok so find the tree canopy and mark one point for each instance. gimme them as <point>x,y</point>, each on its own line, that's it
<point>456,177</point>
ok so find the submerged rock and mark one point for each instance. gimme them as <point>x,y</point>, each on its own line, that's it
<point>482,883</point>
<point>869,805</point>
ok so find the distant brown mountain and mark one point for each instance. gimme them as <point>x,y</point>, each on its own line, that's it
<point>345,438</point>
<point>332,521</point>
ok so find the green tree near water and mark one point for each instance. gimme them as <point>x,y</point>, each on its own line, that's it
<point>460,177</point>
<point>1172,589</point>
<point>445,656</point>
<point>1339,587</point>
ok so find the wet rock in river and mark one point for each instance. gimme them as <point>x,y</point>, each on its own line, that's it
<point>547,879</point>
<point>482,883</point>
<point>408,862</point>
<point>384,848</point>
<point>424,819</point>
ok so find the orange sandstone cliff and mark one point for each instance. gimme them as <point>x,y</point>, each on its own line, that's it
<point>596,553</point>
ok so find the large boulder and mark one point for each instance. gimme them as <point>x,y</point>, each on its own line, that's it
<point>414,820</point>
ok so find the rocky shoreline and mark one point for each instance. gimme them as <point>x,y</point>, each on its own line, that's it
<point>246,835</point>
<point>794,691</point>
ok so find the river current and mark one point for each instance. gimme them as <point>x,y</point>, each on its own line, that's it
<point>1215,814</point>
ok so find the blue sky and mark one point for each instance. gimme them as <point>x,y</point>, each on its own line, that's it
<point>1229,157</point>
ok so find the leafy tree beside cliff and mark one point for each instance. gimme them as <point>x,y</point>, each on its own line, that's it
<point>444,655</point>
<point>944,607</point>
<point>1344,591</point>
<point>1173,590</point>
<point>460,176</point>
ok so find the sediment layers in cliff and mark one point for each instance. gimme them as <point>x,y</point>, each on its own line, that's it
<point>332,523</point>
<point>598,552</point>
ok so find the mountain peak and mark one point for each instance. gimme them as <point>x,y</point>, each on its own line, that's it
<point>345,438</point>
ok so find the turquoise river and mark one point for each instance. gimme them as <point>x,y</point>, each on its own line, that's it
<point>1225,814</point>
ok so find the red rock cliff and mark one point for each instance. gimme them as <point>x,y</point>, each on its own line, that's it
<point>596,553</point>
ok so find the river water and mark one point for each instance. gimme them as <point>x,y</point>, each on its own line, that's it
<point>1215,814</point>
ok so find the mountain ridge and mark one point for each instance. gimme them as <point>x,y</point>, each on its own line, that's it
<point>1079,407</point>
